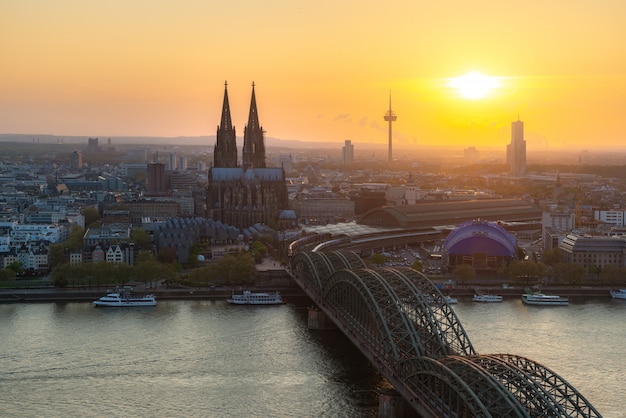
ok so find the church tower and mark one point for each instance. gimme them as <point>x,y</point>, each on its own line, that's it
<point>242,196</point>
<point>253,139</point>
<point>225,153</point>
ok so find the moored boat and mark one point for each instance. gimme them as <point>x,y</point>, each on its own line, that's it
<point>252,298</point>
<point>618,293</point>
<point>544,300</point>
<point>486,297</point>
<point>125,297</point>
<point>450,300</point>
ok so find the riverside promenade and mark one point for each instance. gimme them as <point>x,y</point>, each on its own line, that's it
<point>93,293</point>
<point>164,293</point>
<point>271,275</point>
<point>517,291</point>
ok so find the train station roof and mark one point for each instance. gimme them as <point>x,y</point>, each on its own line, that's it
<point>348,229</point>
<point>437,213</point>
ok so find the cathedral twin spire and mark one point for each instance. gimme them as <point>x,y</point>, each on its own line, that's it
<point>225,153</point>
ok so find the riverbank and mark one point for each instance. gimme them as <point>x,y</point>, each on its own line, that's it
<point>576,292</point>
<point>87,295</point>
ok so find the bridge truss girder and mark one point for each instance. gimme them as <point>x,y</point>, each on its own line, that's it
<point>402,322</point>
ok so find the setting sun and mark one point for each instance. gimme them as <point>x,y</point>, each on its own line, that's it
<point>474,85</point>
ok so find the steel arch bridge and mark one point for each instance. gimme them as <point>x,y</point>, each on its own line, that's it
<point>403,325</point>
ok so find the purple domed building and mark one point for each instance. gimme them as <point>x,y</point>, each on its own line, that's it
<point>481,244</point>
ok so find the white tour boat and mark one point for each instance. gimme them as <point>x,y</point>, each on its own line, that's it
<point>487,298</point>
<point>125,297</point>
<point>618,294</point>
<point>544,300</point>
<point>252,298</point>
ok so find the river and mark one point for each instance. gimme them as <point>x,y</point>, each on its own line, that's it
<point>210,359</point>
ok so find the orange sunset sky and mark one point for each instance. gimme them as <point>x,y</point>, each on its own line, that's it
<point>323,69</point>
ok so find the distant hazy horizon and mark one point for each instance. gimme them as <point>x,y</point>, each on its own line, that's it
<point>209,140</point>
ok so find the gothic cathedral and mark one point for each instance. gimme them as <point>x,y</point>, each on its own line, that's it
<point>244,195</point>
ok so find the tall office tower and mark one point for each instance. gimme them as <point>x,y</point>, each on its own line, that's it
<point>77,159</point>
<point>253,140</point>
<point>225,152</point>
<point>347,152</point>
<point>516,150</point>
<point>157,183</point>
<point>182,162</point>
<point>92,145</point>
<point>390,117</point>
<point>471,154</point>
<point>172,162</point>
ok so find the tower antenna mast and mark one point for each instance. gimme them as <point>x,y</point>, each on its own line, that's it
<point>390,117</point>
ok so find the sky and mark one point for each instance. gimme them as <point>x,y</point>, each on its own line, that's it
<point>323,70</point>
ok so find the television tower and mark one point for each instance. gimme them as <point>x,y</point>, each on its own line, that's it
<point>390,117</point>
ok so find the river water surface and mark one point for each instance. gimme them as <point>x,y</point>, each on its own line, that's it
<point>210,359</point>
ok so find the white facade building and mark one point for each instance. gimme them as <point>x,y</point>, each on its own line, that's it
<point>5,243</point>
<point>114,255</point>
<point>613,217</point>
<point>24,233</point>
<point>402,195</point>
<point>559,221</point>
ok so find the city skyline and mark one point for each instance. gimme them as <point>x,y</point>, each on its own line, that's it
<point>323,72</point>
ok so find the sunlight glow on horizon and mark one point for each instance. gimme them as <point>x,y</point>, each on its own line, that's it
<point>474,85</point>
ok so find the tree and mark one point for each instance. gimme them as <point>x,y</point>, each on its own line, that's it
<point>56,255</point>
<point>569,273</point>
<point>61,275</point>
<point>144,256</point>
<point>141,238</point>
<point>236,268</point>
<point>91,215</point>
<point>7,274</point>
<point>551,257</point>
<point>122,273</point>
<point>595,270</point>
<point>417,265</point>
<point>176,266</point>
<point>16,267</point>
<point>526,271</point>
<point>97,273</point>
<point>75,240</point>
<point>378,259</point>
<point>148,269</point>
<point>166,255</point>
<point>194,252</point>
<point>259,250</point>
<point>613,275</point>
<point>464,273</point>
<point>204,275</point>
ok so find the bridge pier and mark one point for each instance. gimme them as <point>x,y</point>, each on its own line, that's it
<point>319,320</point>
<point>392,405</point>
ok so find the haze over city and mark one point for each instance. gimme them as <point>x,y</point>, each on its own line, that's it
<point>323,71</point>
